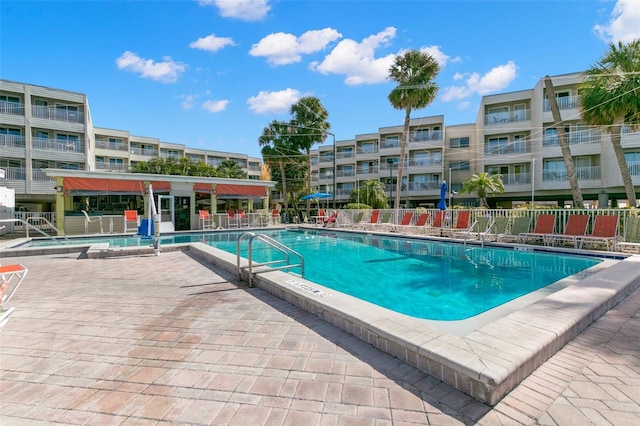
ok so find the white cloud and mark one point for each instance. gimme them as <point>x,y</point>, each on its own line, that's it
<point>441,58</point>
<point>245,10</point>
<point>283,48</point>
<point>495,80</point>
<point>167,71</point>
<point>211,43</point>
<point>215,106</point>
<point>187,101</point>
<point>624,25</point>
<point>274,102</point>
<point>357,60</point>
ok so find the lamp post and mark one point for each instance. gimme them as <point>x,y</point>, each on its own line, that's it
<point>390,163</point>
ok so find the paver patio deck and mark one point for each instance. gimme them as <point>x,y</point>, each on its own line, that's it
<point>171,340</point>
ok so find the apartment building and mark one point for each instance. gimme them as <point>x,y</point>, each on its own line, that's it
<point>42,127</point>
<point>514,135</point>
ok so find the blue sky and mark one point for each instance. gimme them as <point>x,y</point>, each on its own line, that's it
<point>212,74</point>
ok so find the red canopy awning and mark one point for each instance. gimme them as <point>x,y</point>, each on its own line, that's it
<point>248,190</point>
<point>92,185</point>
<point>205,188</point>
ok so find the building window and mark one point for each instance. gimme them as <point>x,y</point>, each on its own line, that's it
<point>554,170</point>
<point>459,165</point>
<point>497,146</point>
<point>459,142</point>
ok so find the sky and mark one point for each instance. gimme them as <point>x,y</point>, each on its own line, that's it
<point>212,74</point>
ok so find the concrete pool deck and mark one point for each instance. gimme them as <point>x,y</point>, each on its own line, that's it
<point>77,317</point>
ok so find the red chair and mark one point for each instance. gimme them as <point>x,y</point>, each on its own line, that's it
<point>206,221</point>
<point>131,221</point>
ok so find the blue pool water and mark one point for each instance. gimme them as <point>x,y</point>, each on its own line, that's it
<point>425,279</point>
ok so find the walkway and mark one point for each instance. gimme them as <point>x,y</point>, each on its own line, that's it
<point>167,340</point>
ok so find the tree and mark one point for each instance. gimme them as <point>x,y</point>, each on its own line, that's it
<point>280,152</point>
<point>170,166</point>
<point>610,97</point>
<point>230,169</point>
<point>371,193</point>
<point>310,125</point>
<point>483,184</point>
<point>564,145</point>
<point>414,71</point>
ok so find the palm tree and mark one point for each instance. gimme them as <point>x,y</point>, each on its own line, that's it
<point>230,169</point>
<point>310,125</point>
<point>483,184</point>
<point>610,97</point>
<point>576,192</point>
<point>414,71</point>
<point>371,193</point>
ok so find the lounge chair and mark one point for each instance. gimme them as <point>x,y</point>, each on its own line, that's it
<point>436,226</point>
<point>11,276</point>
<point>575,227</point>
<point>544,227</point>
<point>357,221</point>
<point>420,225</point>
<point>274,217</point>
<point>631,241</point>
<point>131,221</point>
<point>90,219</point>
<point>479,229</point>
<point>206,221</point>
<point>384,222</point>
<point>462,224</point>
<point>505,233</point>
<point>406,221</point>
<point>605,231</point>
<point>375,215</point>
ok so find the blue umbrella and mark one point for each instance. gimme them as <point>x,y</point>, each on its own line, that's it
<point>442,205</point>
<point>316,196</point>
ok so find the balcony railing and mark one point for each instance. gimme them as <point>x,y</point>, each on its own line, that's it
<point>367,170</point>
<point>342,173</point>
<point>115,167</point>
<point>145,152</point>
<point>38,175</point>
<point>361,151</point>
<point>583,173</point>
<point>11,108</point>
<point>634,168</point>
<point>12,141</point>
<point>506,149</point>
<point>15,173</point>
<point>390,144</point>
<point>516,178</point>
<point>46,144</point>
<point>425,162</point>
<point>574,138</point>
<point>326,159</point>
<point>345,154</point>
<point>507,117</point>
<point>424,186</point>
<point>111,146</point>
<point>425,136</point>
<point>58,114</point>
<point>566,102</point>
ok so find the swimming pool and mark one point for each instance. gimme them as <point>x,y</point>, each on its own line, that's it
<point>425,279</point>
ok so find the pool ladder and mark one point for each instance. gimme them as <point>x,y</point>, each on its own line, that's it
<point>282,264</point>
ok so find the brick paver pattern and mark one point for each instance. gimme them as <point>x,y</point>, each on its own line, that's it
<point>158,340</point>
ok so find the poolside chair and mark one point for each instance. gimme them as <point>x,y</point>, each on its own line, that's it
<point>357,221</point>
<point>375,215</point>
<point>11,276</point>
<point>131,221</point>
<point>544,227</point>
<point>406,220</point>
<point>461,225</point>
<point>384,222</point>
<point>631,241</point>
<point>575,227</point>
<point>500,227</point>
<point>206,221</point>
<point>91,219</point>
<point>420,225</point>
<point>436,226</point>
<point>519,225</point>
<point>233,220</point>
<point>479,229</point>
<point>605,231</point>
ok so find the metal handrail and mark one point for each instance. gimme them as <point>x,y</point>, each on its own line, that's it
<point>287,251</point>
<point>29,225</point>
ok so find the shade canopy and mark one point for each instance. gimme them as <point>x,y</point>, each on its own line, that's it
<point>316,196</point>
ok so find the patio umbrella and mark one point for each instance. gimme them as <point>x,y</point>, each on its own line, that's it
<point>316,196</point>
<point>442,205</point>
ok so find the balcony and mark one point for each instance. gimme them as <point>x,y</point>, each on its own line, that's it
<point>345,173</point>
<point>516,179</point>
<point>115,167</point>
<point>326,159</point>
<point>58,145</point>
<point>365,151</point>
<point>345,154</point>
<point>583,173</point>
<point>574,138</point>
<point>57,114</point>
<point>565,102</point>
<point>38,175</point>
<point>145,152</point>
<point>424,186</point>
<point>368,170</point>
<point>435,135</point>
<point>12,141</point>
<point>11,108</point>
<point>389,144</point>
<point>507,148</point>
<point>505,117</point>
<point>111,146</point>
<point>15,173</point>
<point>424,162</point>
